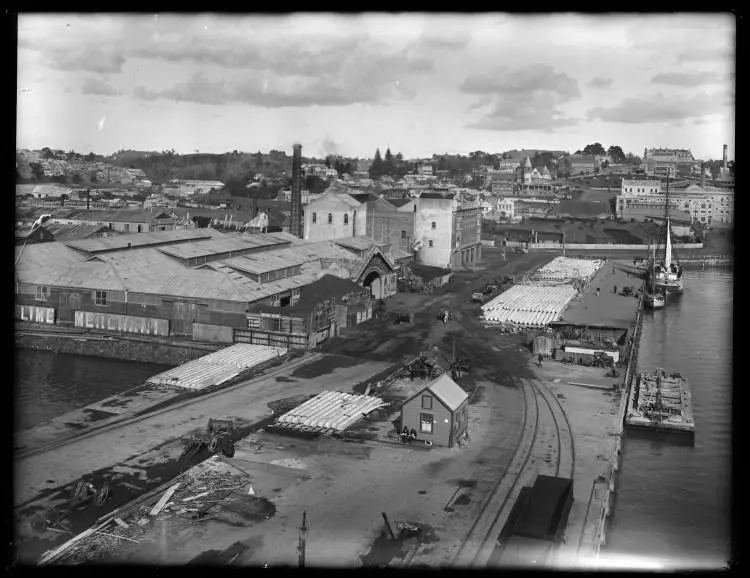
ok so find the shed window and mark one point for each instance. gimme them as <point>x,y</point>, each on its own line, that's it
<point>42,293</point>
<point>330,218</point>
<point>315,218</point>
<point>426,402</point>
<point>425,422</point>
<point>346,218</point>
<point>430,242</point>
<point>100,297</point>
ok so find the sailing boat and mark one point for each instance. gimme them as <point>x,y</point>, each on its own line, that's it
<point>654,297</point>
<point>666,276</point>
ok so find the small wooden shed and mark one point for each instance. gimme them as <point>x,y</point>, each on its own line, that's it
<point>439,412</point>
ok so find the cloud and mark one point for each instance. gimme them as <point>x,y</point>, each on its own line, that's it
<point>525,99</point>
<point>95,85</point>
<point>660,108</point>
<point>705,54</point>
<point>689,79</point>
<point>361,80</point>
<point>104,60</point>
<point>600,82</point>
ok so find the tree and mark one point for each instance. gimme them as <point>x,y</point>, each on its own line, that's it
<point>594,149</point>
<point>388,155</point>
<point>47,153</point>
<point>37,171</point>
<point>328,162</point>
<point>399,158</point>
<point>91,157</point>
<point>76,179</point>
<point>616,153</point>
<point>377,168</point>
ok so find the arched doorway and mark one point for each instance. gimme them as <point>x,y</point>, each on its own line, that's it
<point>375,283</point>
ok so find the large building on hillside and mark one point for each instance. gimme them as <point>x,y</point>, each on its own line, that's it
<point>714,208</point>
<point>575,165</point>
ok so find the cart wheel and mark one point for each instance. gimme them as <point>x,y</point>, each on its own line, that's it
<point>228,449</point>
<point>213,444</point>
<point>102,494</point>
<point>78,490</point>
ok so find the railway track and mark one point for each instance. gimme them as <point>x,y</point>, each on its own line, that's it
<point>476,549</point>
<point>123,420</point>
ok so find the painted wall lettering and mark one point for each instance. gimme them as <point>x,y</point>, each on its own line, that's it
<point>35,314</point>
<point>122,323</point>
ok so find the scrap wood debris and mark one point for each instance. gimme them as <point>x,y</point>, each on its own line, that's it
<point>207,488</point>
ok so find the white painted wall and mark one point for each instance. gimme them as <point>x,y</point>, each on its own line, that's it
<point>338,207</point>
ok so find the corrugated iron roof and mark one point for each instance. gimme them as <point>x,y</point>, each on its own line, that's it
<point>358,243</point>
<point>399,202</point>
<point>74,231</point>
<point>142,239</point>
<point>204,248</point>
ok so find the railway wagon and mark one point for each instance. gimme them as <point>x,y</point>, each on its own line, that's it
<point>537,523</point>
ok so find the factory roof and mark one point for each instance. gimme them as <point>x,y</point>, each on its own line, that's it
<point>436,195</point>
<point>73,231</point>
<point>446,390</point>
<point>205,248</point>
<point>134,240</point>
<point>358,243</point>
<point>113,216</point>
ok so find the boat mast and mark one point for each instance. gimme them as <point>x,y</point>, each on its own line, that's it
<point>668,247</point>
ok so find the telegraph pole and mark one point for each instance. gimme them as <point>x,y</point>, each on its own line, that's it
<point>302,540</point>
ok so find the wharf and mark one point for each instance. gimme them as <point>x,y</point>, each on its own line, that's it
<point>608,308</point>
<point>671,392</point>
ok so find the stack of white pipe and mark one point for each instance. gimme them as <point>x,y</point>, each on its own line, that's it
<point>567,269</point>
<point>528,305</point>
<point>330,410</point>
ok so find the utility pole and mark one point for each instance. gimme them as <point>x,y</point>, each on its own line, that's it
<point>302,540</point>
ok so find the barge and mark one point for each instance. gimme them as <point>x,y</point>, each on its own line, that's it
<point>662,402</point>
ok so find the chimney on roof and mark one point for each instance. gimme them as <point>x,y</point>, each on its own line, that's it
<point>725,158</point>
<point>703,176</point>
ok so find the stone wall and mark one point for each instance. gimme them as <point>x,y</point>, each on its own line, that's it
<point>117,348</point>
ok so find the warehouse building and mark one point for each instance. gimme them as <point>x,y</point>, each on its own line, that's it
<point>261,288</point>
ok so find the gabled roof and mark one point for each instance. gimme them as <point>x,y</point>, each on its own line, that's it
<point>527,163</point>
<point>446,390</point>
<point>364,197</point>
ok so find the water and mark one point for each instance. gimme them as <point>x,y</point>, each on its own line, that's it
<point>48,385</point>
<point>673,500</point>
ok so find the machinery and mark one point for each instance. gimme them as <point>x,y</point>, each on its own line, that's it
<point>216,438</point>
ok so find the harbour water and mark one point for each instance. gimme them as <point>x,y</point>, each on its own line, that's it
<point>673,498</point>
<point>49,384</point>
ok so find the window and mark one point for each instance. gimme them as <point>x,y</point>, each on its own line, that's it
<point>100,297</point>
<point>425,422</point>
<point>415,207</point>
<point>434,225</point>
<point>346,218</point>
<point>330,218</point>
<point>403,234</point>
<point>140,228</point>
<point>426,402</point>
<point>126,227</point>
<point>315,217</point>
<point>42,293</point>
<point>430,242</point>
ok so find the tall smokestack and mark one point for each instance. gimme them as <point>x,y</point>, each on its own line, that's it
<point>703,176</point>
<point>725,158</point>
<point>295,224</point>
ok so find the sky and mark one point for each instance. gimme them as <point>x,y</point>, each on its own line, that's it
<point>348,84</point>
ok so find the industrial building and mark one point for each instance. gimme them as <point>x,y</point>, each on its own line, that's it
<point>439,412</point>
<point>271,289</point>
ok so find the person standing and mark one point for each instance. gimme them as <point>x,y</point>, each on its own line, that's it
<point>540,358</point>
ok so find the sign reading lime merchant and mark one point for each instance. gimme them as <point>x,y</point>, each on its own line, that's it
<point>123,323</point>
<point>35,314</point>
